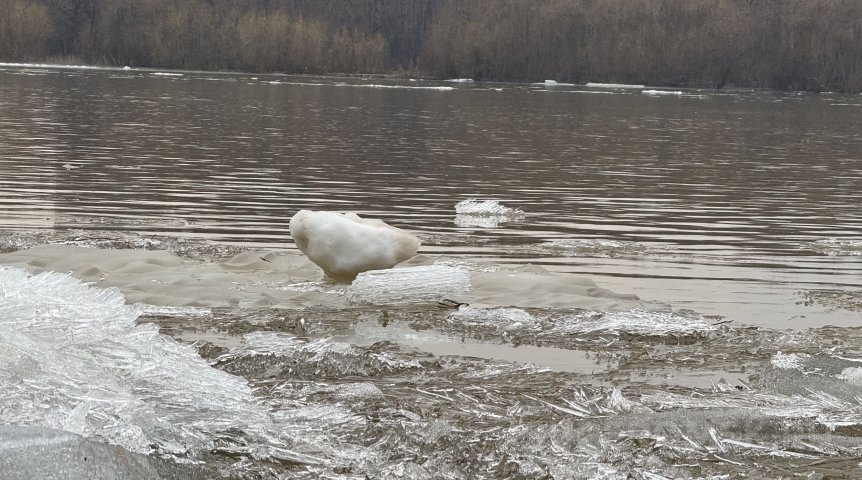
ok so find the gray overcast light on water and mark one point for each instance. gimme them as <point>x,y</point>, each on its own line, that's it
<point>729,203</point>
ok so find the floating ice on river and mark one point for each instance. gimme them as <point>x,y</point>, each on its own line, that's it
<point>635,322</point>
<point>487,207</point>
<point>484,214</point>
<point>422,284</point>
<point>590,248</point>
<point>835,247</point>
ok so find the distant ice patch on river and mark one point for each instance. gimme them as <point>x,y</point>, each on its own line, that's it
<point>836,247</point>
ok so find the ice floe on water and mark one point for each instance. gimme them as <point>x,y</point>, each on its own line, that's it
<point>589,248</point>
<point>835,247</point>
<point>635,322</point>
<point>484,214</point>
<point>113,240</point>
<point>486,207</point>
<point>428,283</point>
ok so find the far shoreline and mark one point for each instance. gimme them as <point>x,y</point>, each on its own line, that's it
<point>75,64</point>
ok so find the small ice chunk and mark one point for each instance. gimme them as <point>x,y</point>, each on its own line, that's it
<point>591,248</point>
<point>427,283</point>
<point>484,214</point>
<point>644,322</point>
<point>634,322</point>
<point>344,245</point>
<point>488,207</point>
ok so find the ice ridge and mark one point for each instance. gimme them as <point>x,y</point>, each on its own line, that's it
<point>73,358</point>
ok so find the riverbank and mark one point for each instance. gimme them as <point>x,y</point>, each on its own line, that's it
<point>793,45</point>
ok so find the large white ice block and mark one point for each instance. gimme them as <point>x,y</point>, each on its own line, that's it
<point>344,245</point>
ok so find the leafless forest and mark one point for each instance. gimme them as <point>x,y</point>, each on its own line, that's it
<point>779,44</point>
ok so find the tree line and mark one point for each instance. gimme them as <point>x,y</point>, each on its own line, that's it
<point>780,44</point>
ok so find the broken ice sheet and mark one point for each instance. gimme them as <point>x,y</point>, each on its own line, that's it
<point>72,358</point>
<point>108,239</point>
<point>634,322</point>
<point>422,284</point>
<point>287,356</point>
<point>833,299</point>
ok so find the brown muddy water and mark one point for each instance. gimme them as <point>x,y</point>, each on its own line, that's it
<point>737,214</point>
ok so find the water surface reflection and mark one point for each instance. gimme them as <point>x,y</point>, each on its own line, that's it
<point>727,194</point>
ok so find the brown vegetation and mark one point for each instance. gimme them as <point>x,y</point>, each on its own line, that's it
<point>781,44</point>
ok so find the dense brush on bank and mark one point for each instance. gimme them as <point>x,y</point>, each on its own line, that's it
<point>780,44</point>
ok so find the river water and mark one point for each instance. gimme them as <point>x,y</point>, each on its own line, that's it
<point>741,206</point>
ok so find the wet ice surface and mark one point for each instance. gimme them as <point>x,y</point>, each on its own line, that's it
<point>430,283</point>
<point>373,390</point>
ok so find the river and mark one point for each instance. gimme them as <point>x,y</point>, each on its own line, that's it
<point>740,207</point>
